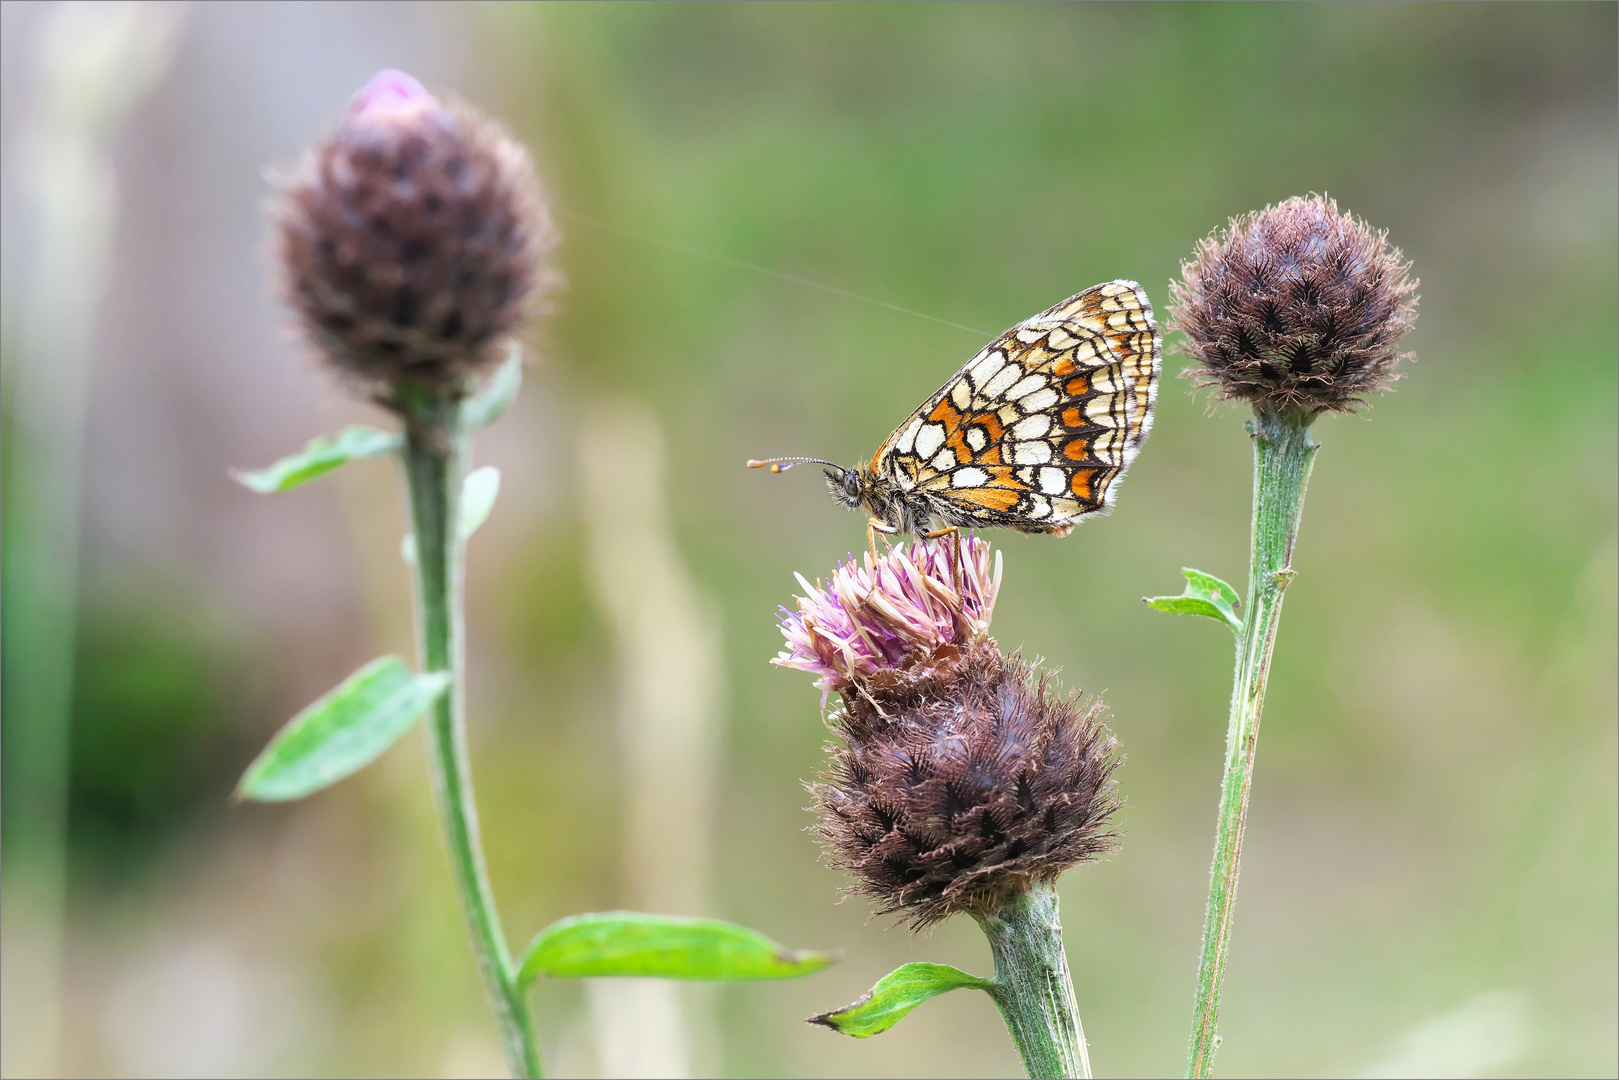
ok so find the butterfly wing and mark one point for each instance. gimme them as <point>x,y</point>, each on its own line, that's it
<point>1036,430</point>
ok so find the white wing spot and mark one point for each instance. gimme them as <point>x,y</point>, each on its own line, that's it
<point>1096,410</point>
<point>969,477</point>
<point>1040,399</point>
<point>929,439</point>
<point>1026,386</point>
<point>907,440</point>
<point>1038,507</point>
<point>1031,453</point>
<point>1032,427</point>
<point>945,461</point>
<point>1003,378</point>
<point>1053,481</point>
<point>961,394</point>
<point>985,367</point>
<point>977,438</point>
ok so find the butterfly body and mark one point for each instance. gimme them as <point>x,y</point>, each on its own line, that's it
<point>1031,434</point>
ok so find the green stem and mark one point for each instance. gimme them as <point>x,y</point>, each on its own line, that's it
<point>1283,455</point>
<point>435,459</point>
<point>1032,985</point>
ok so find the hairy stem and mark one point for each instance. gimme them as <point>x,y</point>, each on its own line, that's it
<point>1283,455</point>
<point>435,464</point>
<point>1032,985</point>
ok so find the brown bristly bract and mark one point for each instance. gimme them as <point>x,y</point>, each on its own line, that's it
<point>1297,305</point>
<point>961,781</point>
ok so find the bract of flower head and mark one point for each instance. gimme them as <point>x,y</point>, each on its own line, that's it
<point>912,602</point>
<point>1297,305</point>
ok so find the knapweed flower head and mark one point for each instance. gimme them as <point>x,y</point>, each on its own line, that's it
<point>912,605</point>
<point>1299,304</point>
<point>412,239</point>
<point>960,777</point>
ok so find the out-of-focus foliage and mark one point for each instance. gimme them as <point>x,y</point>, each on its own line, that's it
<point>154,679</point>
<point>1432,837</point>
<point>619,943</point>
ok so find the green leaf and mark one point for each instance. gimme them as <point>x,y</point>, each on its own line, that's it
<point>321,456</point>
<point>663,947</point>
<point>895,995</point>
<point>1205,595</point>
<point>342,732</point>
<point>486,406</point>
<point>478,493</point>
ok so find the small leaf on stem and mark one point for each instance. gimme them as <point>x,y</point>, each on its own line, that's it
<point>342,732</point>
<point>1205,595</point>
<point>323,454</point>
<point>486,406</point>
<point>895,995</point>
<point>662,947</point>
<point>478,493</point>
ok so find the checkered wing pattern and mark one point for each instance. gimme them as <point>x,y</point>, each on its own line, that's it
<point>1036,430</point>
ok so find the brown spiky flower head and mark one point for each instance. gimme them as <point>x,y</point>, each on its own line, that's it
<point>1299,304</point>
<point>412,239</point>
<point>960,777</point>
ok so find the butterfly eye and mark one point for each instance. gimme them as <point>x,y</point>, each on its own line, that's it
<point>851,482</point>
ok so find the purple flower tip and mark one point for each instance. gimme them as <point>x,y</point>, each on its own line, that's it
<point>391,91</point>
<point>907,606</point>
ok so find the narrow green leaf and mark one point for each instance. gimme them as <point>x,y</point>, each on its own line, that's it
<point>663,947</point>
<point>1184,605</point>
<point>895,995</point>
<point>342,732</point>
<point>486,406</point>
<point>322,455</point>
<point>478,493</point>
<point>1205,595</point>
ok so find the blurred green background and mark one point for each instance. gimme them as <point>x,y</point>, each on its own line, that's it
<point>1429,883</point>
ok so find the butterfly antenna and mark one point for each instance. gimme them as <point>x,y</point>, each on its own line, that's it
<point>782,464</point>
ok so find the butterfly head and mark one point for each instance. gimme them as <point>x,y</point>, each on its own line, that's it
<point>845,485</point>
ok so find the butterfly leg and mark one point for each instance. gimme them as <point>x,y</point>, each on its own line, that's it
<point>873,527</point>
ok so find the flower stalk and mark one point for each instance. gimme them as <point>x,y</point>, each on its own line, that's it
<point>1283,456</point>
<point>1033,989</point>
<point>1297,310</point>
<point>435,457</point>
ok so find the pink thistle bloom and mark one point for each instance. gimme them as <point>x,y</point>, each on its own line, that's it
<point>391,91</point>
<point>914,603</point>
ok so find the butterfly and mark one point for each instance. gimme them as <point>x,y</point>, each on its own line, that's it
<point>1032,434</point>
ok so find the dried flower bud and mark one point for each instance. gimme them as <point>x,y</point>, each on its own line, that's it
<point>412,238</point>
<point>961,778</point>
<point>1296,305</point>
